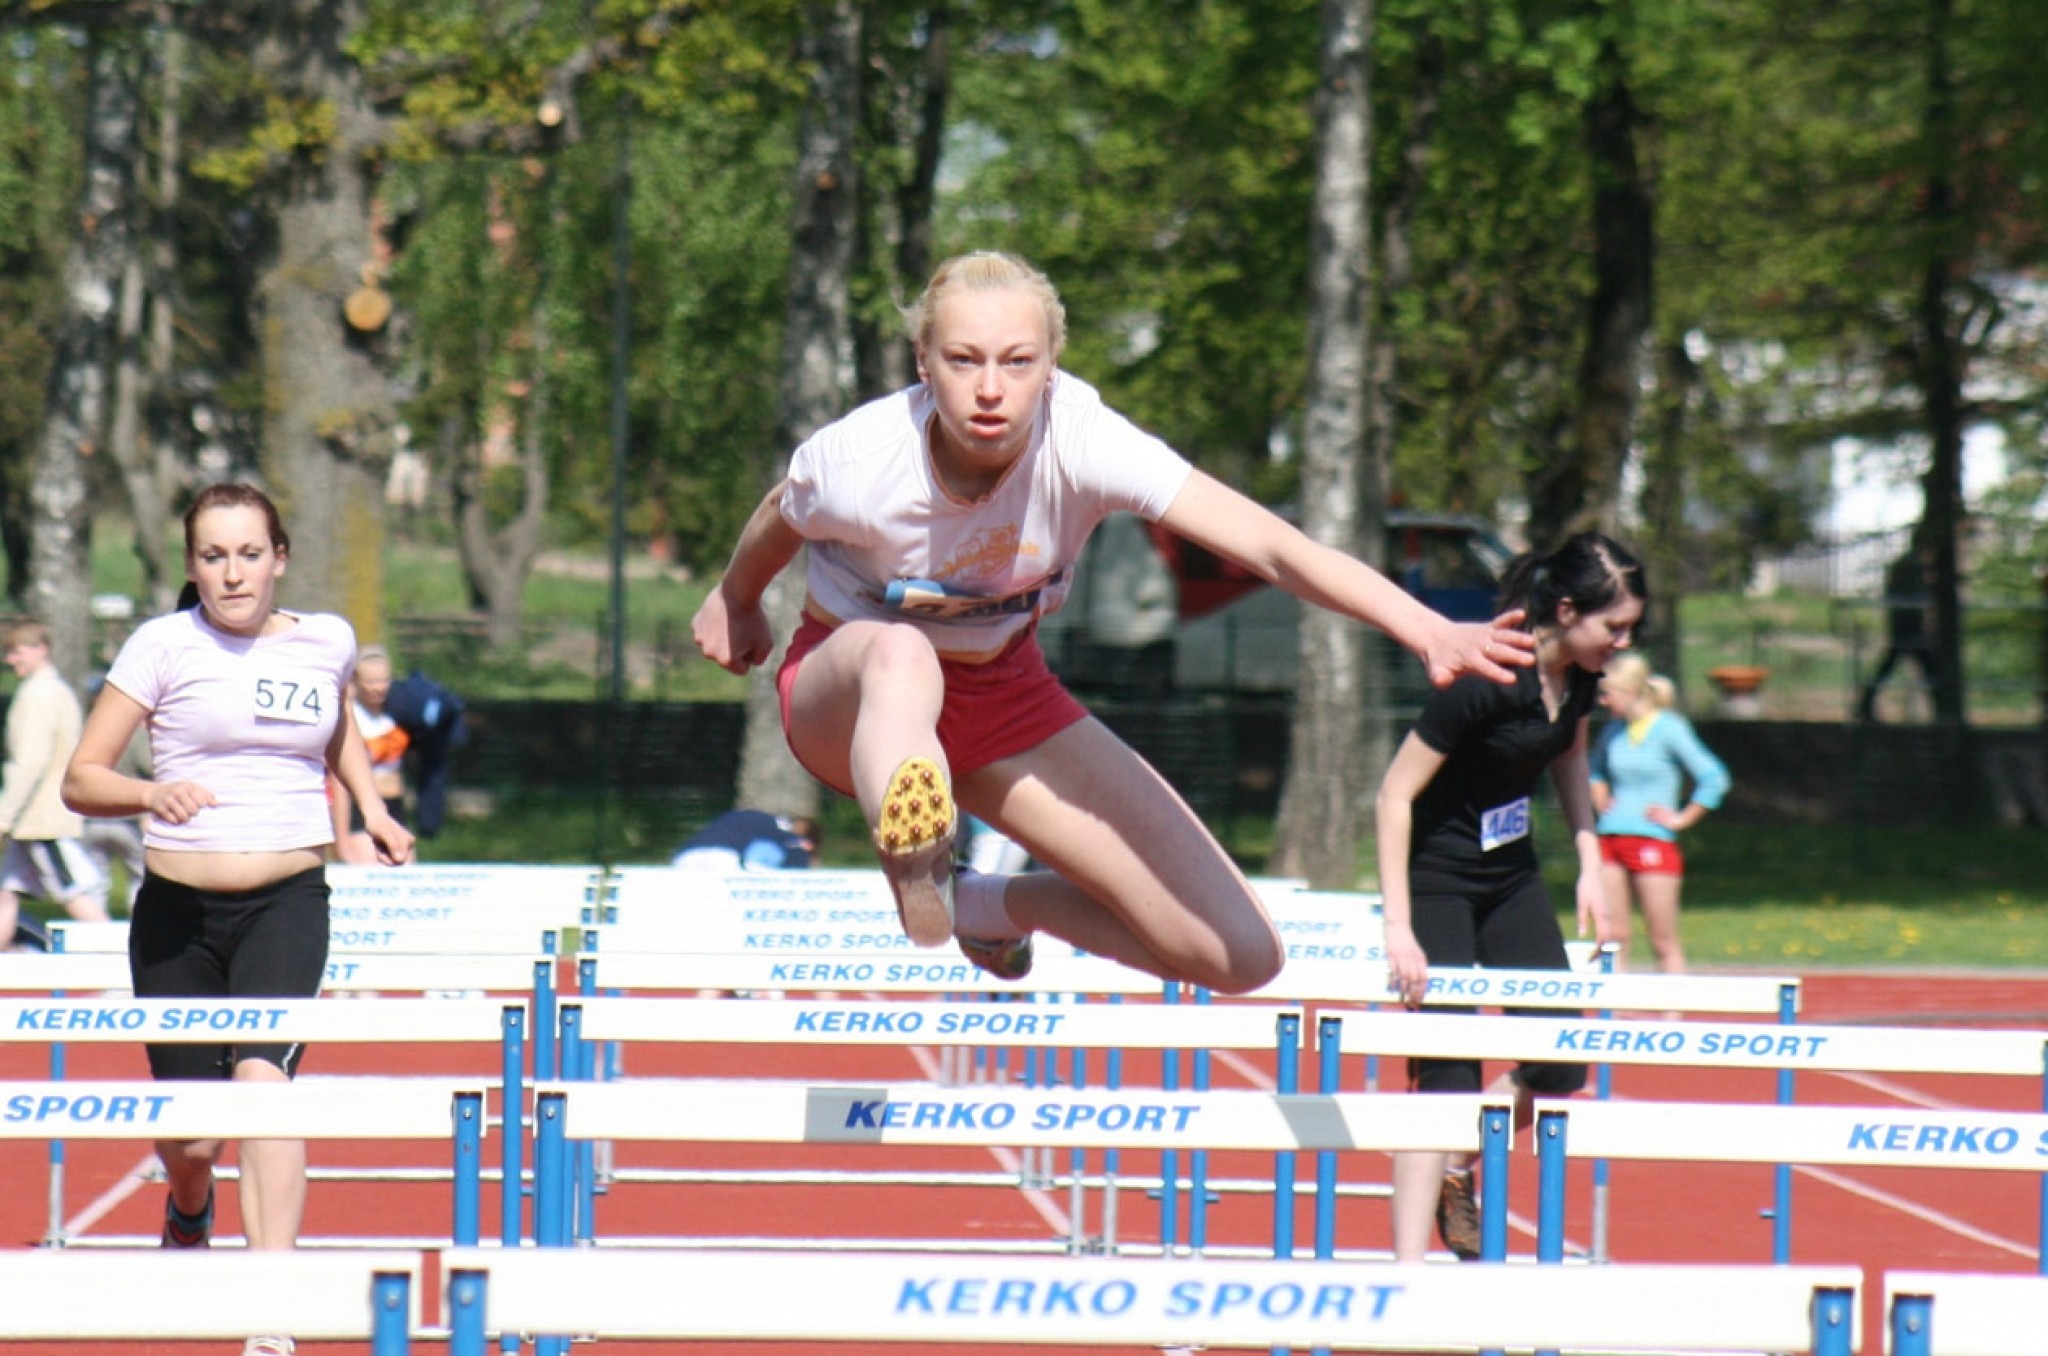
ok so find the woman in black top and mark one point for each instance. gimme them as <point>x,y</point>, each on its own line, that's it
<point>1458,871</point>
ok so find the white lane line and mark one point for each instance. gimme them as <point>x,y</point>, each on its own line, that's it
<point>1927,1214</point>
<point>132,1181</point>
<point>1048,1209</point>
<point>1888,1088</point>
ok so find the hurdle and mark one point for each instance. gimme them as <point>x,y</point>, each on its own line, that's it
<point>1782,1049</point>
<point>1071,1027</point>
<point>57,1296</point>
<point>1933,1313</point>
<point>542,936</point>
<point>125,1020</point>
<point>967,1301</point>
<point>340,1108</point>
<point>1768,1133</point>
<point>786,1112</point>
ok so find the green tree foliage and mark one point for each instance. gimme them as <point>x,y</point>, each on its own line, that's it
<point>513,125</point>
<point>1155,160</point>
<point>41,112</point>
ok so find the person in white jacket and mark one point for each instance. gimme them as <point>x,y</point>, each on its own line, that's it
<point>46,856</point>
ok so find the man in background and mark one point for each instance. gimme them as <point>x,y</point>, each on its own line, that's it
<point>750,840</point>
<point>45,857</point>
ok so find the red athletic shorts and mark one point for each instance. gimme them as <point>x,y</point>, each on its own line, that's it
<point>991,711</point>
<point>1641,856</point>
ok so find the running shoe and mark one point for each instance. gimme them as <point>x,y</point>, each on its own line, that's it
<point>268,1346</point>
<point>914,839</point>
<point>1004,957</point>
<point>188,1231</point>
<point>1457,1215</point>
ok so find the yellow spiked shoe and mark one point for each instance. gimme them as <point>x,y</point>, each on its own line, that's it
<point>914,838</point>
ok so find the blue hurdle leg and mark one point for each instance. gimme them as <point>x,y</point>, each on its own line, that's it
<point>391,1314</point>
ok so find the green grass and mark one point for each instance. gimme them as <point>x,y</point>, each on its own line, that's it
<point>1756,896</point>
<point>1818,895</point>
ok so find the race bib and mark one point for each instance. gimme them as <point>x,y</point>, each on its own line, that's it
<point>295,696</point>
<point>1504,824</point>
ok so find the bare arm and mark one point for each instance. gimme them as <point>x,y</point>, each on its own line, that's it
<point>349,762</point>
<point>730,628</point>
<point>1575,792</point>
<point>1211,514</point>
<point>93,787</point>
<point>1415,765</point>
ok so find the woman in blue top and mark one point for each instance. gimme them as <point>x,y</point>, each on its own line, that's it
<point>1640,764</point>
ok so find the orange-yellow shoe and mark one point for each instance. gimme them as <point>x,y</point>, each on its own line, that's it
<point>914,838</point>
<point>1005,957</point>
<point>1457,1216</point>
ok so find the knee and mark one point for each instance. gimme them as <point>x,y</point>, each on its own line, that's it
<point>1250,963</point>
<point>1552,1080</point>
<point>185,1155</point>
<point>899,653</point>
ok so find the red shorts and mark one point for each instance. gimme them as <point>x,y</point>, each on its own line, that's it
<point>1640,856</point>
<point>991,711</point>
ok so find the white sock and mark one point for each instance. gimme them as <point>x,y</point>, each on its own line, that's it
<point>978,908</point>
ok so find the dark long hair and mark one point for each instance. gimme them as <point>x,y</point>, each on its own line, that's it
<point>226,495</point>
<point>1591,571</point>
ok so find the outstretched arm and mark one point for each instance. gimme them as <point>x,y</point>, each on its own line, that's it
<point>730,628</point>
<point>1211,514</point>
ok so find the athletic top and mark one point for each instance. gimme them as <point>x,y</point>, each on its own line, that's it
<point>889,543</point>
<point>1647,769</point>
<point>383,736</point>
<point>1496,740</point>
<point>248,719</point>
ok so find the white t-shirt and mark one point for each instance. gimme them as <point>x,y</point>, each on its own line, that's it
<point>887,542</point>
<point>247,718</point>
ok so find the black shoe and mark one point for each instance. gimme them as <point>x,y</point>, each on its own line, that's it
<point>1457,1215</point>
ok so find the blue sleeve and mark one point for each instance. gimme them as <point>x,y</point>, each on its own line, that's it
<point>1709,774</point>
<point>1596,764</point>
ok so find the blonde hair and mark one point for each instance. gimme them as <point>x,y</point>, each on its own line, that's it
<point>1630,673</point>
<point>985,271</point>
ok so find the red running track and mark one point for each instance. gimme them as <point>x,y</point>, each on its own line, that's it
<point>1879,1219</point>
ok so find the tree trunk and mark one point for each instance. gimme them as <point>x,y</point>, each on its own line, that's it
<point>817,354</point>
<point>1581,491</point>
<point>75,413</point>
<point>1342,487</point>
<point>497,559</point>
<point>1663,501</point>
<point>328,411</point>
<point>1939,370</point>
<point>146,457</point>
<point>908,113</point>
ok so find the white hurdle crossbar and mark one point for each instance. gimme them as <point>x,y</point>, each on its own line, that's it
<point>1713,1132</point>
<point>498,937</point>
<point>56,1296</point>
<point>126,1020</point>
<point>1074,1027</point>
<point>785,1112</point>
<point>1934,1313</point>
<point>966,1301</point>
<point>1752,1045</point>
<point>310,1108</point>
